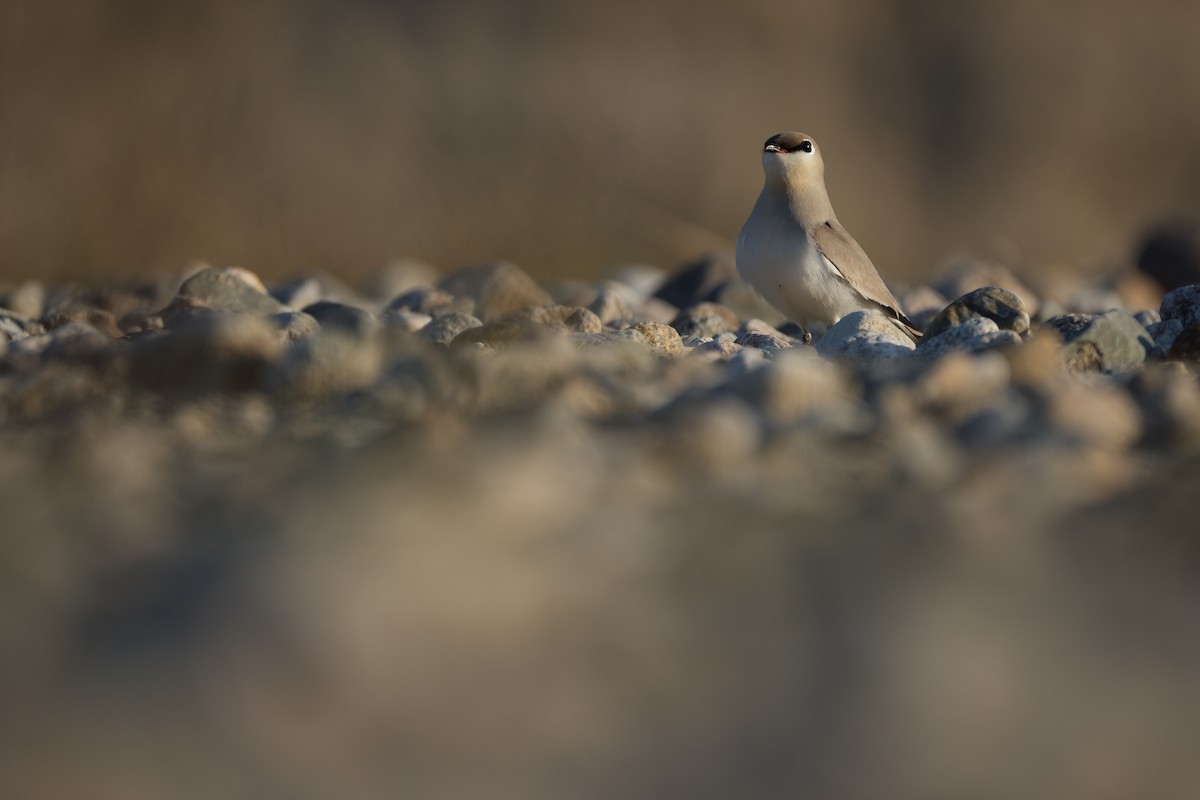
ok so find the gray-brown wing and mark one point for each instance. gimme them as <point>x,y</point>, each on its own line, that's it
<point>837,245</point>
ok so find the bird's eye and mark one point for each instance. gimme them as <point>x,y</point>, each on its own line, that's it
<point>806,146</point>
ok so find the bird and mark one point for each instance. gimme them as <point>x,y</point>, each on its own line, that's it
<point>793,251</point>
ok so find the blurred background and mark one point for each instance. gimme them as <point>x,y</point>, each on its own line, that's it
<point>569,136</point>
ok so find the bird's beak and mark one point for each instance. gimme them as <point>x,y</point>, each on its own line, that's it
<point>774,148</point>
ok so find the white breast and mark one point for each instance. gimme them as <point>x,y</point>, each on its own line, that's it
<point>775,256</point>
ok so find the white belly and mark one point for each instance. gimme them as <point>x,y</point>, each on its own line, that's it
<point>777,259</point>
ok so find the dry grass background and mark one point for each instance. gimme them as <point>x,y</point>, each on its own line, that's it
<point>568,136</point>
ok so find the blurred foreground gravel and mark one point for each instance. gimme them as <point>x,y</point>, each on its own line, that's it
<point>464,535</point>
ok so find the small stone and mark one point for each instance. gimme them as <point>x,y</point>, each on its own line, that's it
<point>14,327</point>
<point>662,339</point>
<point>971,336</point>
<point>574,319</point>
<point>27,299</point>
<point>531,324</point>
<point>498,288</point>
<point>705,319</point>
<point>339,316</point>
<point>697,281</point>
<point>443,329</point>
<point>1164,333</point>
<point>865,339</point>
<point>405,320</point>
<point>1182,304</point>
<point>970,274</point>
<point>423,300</point>
<point>228,289</point>
<point>294,326</point>
<point>613,301</point>
<point>1112,342</point>
<point>1147,317</point>
<point>763,341</point>
<point>712,350</point>
<point>991,302</point>
<point>95,318</point>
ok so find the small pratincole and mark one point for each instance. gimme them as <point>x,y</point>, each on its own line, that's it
<point>794,252</point>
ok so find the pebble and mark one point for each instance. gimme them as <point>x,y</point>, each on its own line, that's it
<point>354,321</point>
<point>27,299</point>
<point>705,319</point>
<point>991,302</point>
<point>613,301</point>
<point>967,275</point>
<point>1112,342</point>
<point>973,335</point>
<point>227,289</point>
<point>497,288</point>
<point>1182,304</point>
<point>443,329</point>
<point>426,300</point>
<point>293,326</point>
<point>865,339</point>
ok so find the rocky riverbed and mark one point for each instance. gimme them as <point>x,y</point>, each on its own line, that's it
<point>466,534</point>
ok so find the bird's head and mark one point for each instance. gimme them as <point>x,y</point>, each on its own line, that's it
<point>793,158</point>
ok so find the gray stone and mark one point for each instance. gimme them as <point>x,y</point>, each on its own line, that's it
<point>1147,317</point>
<point>973,335</point>
<point>227,289</point>
<point>764,341</point>
<point>445,328</point>
<point>705,319</point>
<point>661,339</point>
<point>865,339</point>
<point>294,326</point>
<point>498,288</point>
<point>14,327</point>
<point>1182,304</point>
<point>990,302</point>
<point>424,300</point>
<point>970,274</point>
<point>1112,342</point>
<point>1164,333</point>
<point>405,320</point>
<point>613,301</point>
<point>346,318</point>
<point>27,299</point>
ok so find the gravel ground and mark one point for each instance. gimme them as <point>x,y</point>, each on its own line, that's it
<point>465,535</point>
